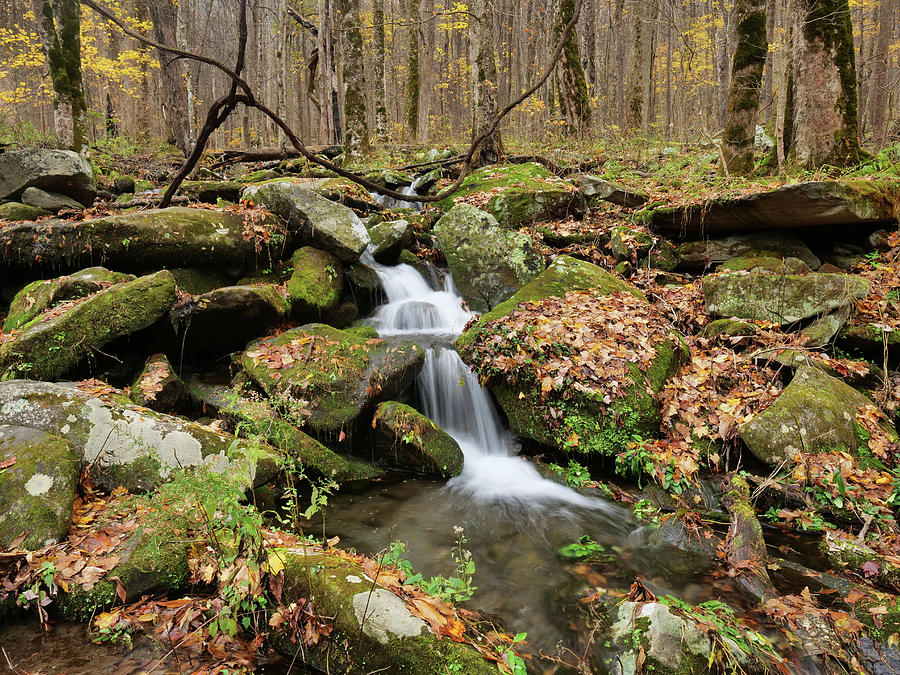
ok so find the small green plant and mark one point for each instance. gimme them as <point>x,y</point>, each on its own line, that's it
<point>646,512</point>
<point>575,474</point>
<point>515,662</point>
<point>584,548</point>
<point>458,588</point>
<point>41,591</point>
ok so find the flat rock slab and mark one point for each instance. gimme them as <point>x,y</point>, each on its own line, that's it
<point>812,204</point>
<point>60,171</point>
<point>697,255</point>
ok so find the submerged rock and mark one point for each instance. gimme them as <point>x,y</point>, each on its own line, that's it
<point>406,439</point>
<point>50,345</point>
<point>488,263</point>
<point>60,171</point>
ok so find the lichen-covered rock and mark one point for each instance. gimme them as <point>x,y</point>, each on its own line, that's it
<point>49,201</point>
<point>334,375</point>
<point>51,344</point>
<point>315,285</point>
<point>406,439</point>
<point>312,218</point>
<point>40,296</point>
<point>37,490</point>
<point>125,444</point>
<point>173,237</point>
<point>61,171</point>
<point>521,194</point>
<point>768,244</point>
<point>488,263</point>
<point>224,319</point>
<point>814,413</point>
<point>596,190</point>
<point>389,238</point>
<point>158,386</point>
<point>780,298</point>
<point>20,211</point>
<point>724,329</point>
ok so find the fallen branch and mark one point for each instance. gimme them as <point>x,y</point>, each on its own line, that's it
<point>228,157</point>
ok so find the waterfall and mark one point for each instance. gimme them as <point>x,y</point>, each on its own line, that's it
<point>451,395</point>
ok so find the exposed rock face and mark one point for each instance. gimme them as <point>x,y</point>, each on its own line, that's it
<point>813,204</point>
<point>814,413</point>
<point>38,490</point>
<point>770,244</point>
<point>780,298</point>
<point>158,386</point>
<point>60,171</point>
<point>334,375</point>
<point>488,263</point>
<point>312,218</point>
<point>173,237</point>
<point>125,444</point>
<point>406,439</point>
<point>49,346</point>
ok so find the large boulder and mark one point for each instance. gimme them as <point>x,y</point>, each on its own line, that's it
<point>51,344</point>
<point>780,298</point>
<point>37,485</point>
<point>60,171</point>
<point>812,204</point>
<point>389,238</point>
<point>814,413</point>
<point>768,244</point>
<point>173,237</point>
<point>314,287</point>
<point>518,194</point>
<point>124,444</point>
<point>333,375</point>
<point>488,263</point>
<point>406,439</point>
<point>312,218</point>
<point>575,358</point>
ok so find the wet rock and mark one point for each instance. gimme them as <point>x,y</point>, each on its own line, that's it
<point>808,205</point>
<point>51,345</point>
<point>37,491</point>
<point>597,190</point>
<point>390,238</point>
<point>364,286</point>
<point>488,263</point>
<point>314,288</point>
<point>19,211</point>
<point>313,219</point>
<point>60,171</point>
<point>40,296</point>
<point>49,201</point>
<point>125,444</point>
<point>406,439</point>
<point>780,298</point>
<point>173,237</point>
<point>158,386</point>
<point>334,375</point>
<point>771,244</point>
<point>814,413</point>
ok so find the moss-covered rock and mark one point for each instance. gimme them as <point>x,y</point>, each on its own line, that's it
<point>780,298</point>
<point>373,629</point>
<point>363,285</point>
<point>767,244</point>
<point>50,345</point>
<point>488,263</point>
<point>315,285</point>
<point>20,211</point>
<point>406,439</point>
<point>312,218</point>
<point>723,329</point>
<point>847,552</point>
<point>335,375</point>
<point>389,238</point>
<point>260,175</point>
<point>38,490</point>
<point>211,191</point>
<point>198,280</point>
<point>521,194</point>
<point>814,413</point>
<point>765,265</point>
<point>158,386</point>
<point>129,445</point>
<point>40,296</point>
<point>173,237</point>
<point>597,190</point>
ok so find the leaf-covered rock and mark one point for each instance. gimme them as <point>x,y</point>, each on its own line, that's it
<point>406,439</point>
<point>158,386</point>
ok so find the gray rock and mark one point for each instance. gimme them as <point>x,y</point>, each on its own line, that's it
<point>60,171</point>
<point>158,386</point>
<point>597,190</point>
<point>124,185</point>
<point>770,244</point>
<point>49,201</point>
<point>390,238</point>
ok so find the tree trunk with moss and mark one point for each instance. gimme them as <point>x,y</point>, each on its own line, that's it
<point>380,79</point>
<point>59,28</point>
<point>491,149</point>
<point>356,127</point>
<point>640,64</point>
<point>412,69</point>
<point>746,82</point>
<point>573,92</point>
<point>164,15</point>
<point>824,75</point>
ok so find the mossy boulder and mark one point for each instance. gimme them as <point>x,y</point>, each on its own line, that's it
<point>389,238</point>
<point>211,191</point>
<point>20,211</point>
<point>488,263</point>
<point>629,244</point>
<point>724,329</point>
<point>40,296</point>
<point>126,444</point>
<point>871,338</point>
<point>37,490</point>
<point>312,218</point>
<point>140,240</point>
<point>158,386</point>
<point>373,629</point>
<point>597,190</point>
<point>814,413</point>
<point>61,171</point>
<point>51,344</point>
<point>767,244</point>
<point>198,280</point>
<point>765,265</point>
<point>780,298</point>
<point>315,285</point>
<point>404,438</point>
<point>335,375</point>
<point>520,194</point>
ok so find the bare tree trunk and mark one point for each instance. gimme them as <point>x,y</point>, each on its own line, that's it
<point>879,90</point>
<point>412,69</point>
<point>573,92</point>
<point>491,149</point>
<point>174,103</point>
<point>356,127</point>
<point>380,81</point>
<point>637,95</point>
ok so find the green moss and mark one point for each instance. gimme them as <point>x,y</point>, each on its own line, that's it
<point>18,211</point>
<point>410,440</point>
